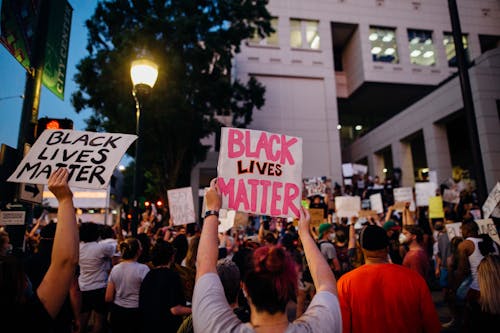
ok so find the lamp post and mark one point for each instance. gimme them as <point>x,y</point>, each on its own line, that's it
<point>143,73</point>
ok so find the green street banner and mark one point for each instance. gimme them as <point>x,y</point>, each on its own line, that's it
<point>57,46</point>
<point>18,23</point>
<point>18,20</point>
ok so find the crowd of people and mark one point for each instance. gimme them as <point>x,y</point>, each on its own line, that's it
<point>369,274</point>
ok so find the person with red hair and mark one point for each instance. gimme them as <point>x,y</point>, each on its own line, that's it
<point>269,284</point>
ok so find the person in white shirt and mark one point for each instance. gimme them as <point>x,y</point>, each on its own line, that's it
<point>94,269</point>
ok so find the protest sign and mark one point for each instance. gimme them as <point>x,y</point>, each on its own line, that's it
<point>451,196</point>
<point>315,186</point>
<point>226,219</point>
<point>453,230</point>
<point>260,172</point>
<point>423,191</point>
<point>376,203</point>
<point>346,206</point>
<point>365,213</point>
<point>403,195</point>
<point>436,207</point>
<point>491,205</point>
<point>487,226</point>
<point>347,170</point>
<point>90,157</point>
<point>181,206</point>
<point>359,169</point>
<point>12,217</point>
<point>317,216</point>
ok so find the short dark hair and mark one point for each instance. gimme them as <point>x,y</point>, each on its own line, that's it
<point>89,232</point>
<point>161,253</point>
<point>415,230</point>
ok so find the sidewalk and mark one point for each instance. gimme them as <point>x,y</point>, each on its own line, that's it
<point>443,311</point>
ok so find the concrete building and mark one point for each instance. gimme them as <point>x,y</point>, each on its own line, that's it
<point>374,82</point>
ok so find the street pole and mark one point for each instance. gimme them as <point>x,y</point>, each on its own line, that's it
<point>468,102</point>
<point>139,94</point>
<point>31,101</point>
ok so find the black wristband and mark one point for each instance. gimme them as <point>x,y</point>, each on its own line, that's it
<point>211,212</point>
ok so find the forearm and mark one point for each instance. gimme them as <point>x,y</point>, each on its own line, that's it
<point>321,272</point>
<point>206,259</point>
<point>66,240</point>
<point>180,310</point>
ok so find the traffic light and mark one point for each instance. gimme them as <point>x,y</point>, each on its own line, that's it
<point>53,123</point>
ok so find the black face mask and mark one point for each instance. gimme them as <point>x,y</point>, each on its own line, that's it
<point>439,227</point>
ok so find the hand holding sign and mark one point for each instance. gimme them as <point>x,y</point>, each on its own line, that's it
<point>89,157</point>
<point>260,172</point>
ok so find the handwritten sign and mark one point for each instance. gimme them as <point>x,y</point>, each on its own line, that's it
<point>226,219</point>
<point>491,203</point>
<point>347,206</point>
<point>365,213</point>
<point>453,230</point>
<point>423,191</point>
<point>451,195</point>
<point>487,226</point>
<point>12,217</point>
<point>315,186</point>
<point>359,169</point>
<point>180,203</point>
<point>436,207</point>
<point>260,172</point>
<point>90,157</point>
<point>376,203</point>
<point>317,216</point>
<point>347,170</point>
<point>403,195</point>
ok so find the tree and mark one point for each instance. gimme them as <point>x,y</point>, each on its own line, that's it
<point>194,42</point>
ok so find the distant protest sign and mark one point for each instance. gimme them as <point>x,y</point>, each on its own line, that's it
<point>491,205</point>
<point>315,186</point>
<point>226,219</point>
<point>436,207</point>
<point>454,230</point>
<point>487,226</point>
<point>376,203</point>
<point>317,216</point>
<point>402,195</point>
<point>423,191</point>
<point>451,196</point>
<point>181,206</point>
<point>90,157</point>
<point>347,206</point>
<point>260,172</point>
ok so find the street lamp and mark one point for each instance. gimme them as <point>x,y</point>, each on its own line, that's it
<point>143,73</point>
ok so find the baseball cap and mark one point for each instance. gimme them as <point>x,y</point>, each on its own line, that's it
<point>373,238</point>
<point>324,227</point>
<point>391,225</point>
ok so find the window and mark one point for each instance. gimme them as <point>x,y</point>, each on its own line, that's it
<point>449,46</point>
<point>304,34</point>
<point>383,45</point>
<point>271,40</point>
<point>421,48</point>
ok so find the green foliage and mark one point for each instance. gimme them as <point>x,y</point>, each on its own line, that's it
<point>193,42</point>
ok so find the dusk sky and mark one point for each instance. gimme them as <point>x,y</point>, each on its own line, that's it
<point>13,77</point>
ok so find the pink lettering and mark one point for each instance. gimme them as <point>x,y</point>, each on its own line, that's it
<point>235,138</point>
<point>227,189</point>
<point>274,156</point>
<point>253,194</point>
<point>241,196</point>
<point>275,198</point>
<point>265,186</point>
<point>291,193</point>
<point>285,152</point>
<point>248,145</point>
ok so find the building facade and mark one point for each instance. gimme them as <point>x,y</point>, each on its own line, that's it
<point>372,82</point>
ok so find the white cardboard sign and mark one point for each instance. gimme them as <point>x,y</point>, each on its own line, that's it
<point>90,157</point>
<point>376,203</point>
<point>180,203</point>
<point>404,194</point>
<point>451,195</point>
<point>453,229</point>
<point>12,217</point>
<point>260,172</point>
<point>492,202</point>
<point>423,191</point>
<point>347,206</point>
<point>487,226</point>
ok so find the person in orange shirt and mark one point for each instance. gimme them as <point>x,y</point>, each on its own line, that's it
<point>383,297</point>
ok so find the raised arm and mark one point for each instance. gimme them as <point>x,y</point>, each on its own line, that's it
<point>321,272</point>
<point>206,259</point>
<point>57,281</point>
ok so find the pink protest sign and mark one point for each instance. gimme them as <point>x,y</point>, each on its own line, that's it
<point>260,172</point>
